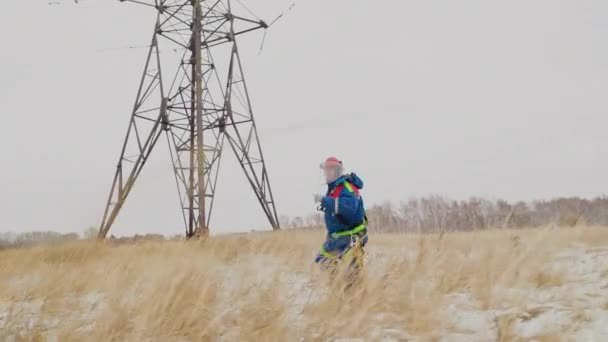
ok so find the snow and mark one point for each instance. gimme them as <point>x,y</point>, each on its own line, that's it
<point>577,307</point>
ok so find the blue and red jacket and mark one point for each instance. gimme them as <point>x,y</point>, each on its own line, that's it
<point>343,205</point>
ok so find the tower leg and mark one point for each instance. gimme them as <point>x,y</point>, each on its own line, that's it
<point>243,135</point>
<point>145,128</point>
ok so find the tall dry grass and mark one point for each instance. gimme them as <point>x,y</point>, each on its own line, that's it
<point>265,287</point>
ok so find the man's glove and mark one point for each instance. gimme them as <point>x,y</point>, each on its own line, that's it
<point>318,198</point>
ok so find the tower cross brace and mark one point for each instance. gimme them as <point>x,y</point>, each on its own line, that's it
<point>204,105</point>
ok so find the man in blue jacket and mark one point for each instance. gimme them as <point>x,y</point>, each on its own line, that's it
<point>344,211</point>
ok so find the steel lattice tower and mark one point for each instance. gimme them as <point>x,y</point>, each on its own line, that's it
<point>201,107</point>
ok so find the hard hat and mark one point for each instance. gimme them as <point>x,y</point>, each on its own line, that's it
<point>331,161</point>
<point>332,168</point>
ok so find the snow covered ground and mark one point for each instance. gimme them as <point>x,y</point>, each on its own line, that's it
<point>420,291</point>
<point>576,310</point>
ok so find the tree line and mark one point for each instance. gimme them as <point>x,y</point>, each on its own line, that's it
<point>33,238</point>
<point>11,239</point>
<point>426,215</point>
<point>437,213</point>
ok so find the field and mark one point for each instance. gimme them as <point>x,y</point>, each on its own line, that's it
<point>546,284</point>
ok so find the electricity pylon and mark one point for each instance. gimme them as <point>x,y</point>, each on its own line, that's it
<point>202,106</point>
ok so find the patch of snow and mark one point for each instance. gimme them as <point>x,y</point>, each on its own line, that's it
<point>596,329</point>
<point>390,335</point>
<point>580,302</point>
<point>550,321</point>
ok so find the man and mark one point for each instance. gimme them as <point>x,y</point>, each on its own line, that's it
<point>345,217</point>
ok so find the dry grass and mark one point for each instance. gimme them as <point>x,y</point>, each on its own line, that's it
<point>265,287</point>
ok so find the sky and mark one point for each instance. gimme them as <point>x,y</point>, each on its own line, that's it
<point>501,99</point>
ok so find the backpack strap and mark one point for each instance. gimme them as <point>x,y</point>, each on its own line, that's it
<point>335,194</point>
<point>351,188</point>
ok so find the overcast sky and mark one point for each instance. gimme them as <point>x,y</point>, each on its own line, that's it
<point>459,98</point>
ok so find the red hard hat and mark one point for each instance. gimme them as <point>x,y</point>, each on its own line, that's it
<point>332,168</point>
<point>333,161</point>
